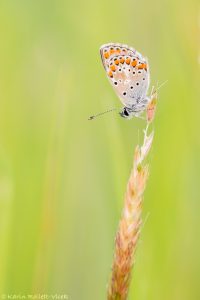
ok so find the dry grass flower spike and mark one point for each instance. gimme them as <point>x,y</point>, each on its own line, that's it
<point>130,224</point>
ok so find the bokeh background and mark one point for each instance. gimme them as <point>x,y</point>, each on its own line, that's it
<point>62,178</point>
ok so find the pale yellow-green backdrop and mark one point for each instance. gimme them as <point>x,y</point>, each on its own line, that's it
<point>62,178</point>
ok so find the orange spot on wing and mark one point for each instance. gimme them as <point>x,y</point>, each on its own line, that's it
<point>110,74</point>
<point>122,60</point>
<point>134,63</point>
<point>106,55</point>
<point>142,66</point>
<point>128,60</point>
<point>117,61</point>
<point>113,68</point>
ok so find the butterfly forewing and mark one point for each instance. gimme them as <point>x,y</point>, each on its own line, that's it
<point>128,72</point>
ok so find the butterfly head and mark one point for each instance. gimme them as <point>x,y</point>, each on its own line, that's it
<point>126,113</point>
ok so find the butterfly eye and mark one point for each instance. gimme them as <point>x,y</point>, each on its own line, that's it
<point>126,113</point>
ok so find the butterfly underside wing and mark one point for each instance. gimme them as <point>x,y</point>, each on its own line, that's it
<point>128,72</point>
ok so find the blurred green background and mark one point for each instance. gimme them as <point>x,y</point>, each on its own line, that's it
<point>62,178</point>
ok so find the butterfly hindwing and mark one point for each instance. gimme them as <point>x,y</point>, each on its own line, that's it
<point>127,71</point>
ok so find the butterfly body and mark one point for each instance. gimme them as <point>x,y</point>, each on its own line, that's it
<point>128,72</point>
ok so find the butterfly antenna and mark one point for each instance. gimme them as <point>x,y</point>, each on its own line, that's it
<point>100,114</point>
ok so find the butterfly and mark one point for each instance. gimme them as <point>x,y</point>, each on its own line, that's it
<point>128,73</point>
